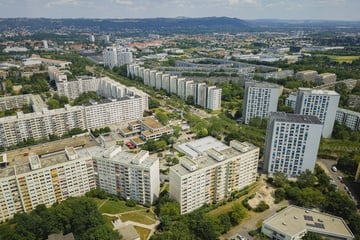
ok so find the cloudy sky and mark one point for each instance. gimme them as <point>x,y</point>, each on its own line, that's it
<point>243,9</point>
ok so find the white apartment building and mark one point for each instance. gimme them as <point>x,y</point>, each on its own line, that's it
<point>213,100</point>
<point>29,182</point>
<point>291,143</point>
<point>131,176</point>
<point>117,56</point>
<point>121,104</point>
<point>320,103</point>
<point>15,129</point>
<point>260,99</point>
<point>208,97</point>
<point>15,102</point>
<point>24,185</point>
<point>211,171</point>
<point>349,118</point>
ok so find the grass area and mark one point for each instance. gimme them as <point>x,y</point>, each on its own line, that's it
<point>143,232</point>
<point>113,207</point>
<point>108,221</point>
<point>140,217</point>
<point>337,147</point>
<point>227,207</point>
<point>341,59</point>
<point>99,201</point>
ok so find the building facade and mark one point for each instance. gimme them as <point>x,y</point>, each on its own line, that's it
<point>320,103</point>
<point>260,99</point>
<point>53,179</point>
<point>292,143</point>
<point>211,171</point>
<point>208,97</point>
<point>349,118</point>
<point>117,56</point>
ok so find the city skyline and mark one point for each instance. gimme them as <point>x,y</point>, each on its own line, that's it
<point>242,9</point>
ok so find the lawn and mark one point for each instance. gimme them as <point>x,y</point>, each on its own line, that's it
<point>337,147</point>
<point>99,201</point>
<point>341,59</point>
<point>143,232</point>
<point>108,221</point>
<point>113,207</point>
<point>140,217</point>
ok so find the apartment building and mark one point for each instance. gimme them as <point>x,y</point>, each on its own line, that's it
<point>211,171</point>
<point>117,56</point>
<point>29,182</point>
<point>325,78</point>
<point>260,99</point>
<point>38,125</point>
<point>307,75</point>
<point>291,143</point>
<point>129,175</point>
<point>349,118</point>
<point>120,104</point>
<point>14,102</point>
<point>24,185</point>
<point>208,97</point>
<point>320,103</point>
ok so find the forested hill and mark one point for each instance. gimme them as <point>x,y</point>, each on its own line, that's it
<point>158,25</point>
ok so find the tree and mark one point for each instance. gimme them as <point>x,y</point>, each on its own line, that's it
<point>306,179</point>
<point>163,119</point>
<point>280,179</point>
<point>238,212</point>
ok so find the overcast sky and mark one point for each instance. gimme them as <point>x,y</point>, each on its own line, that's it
<point>243,9</point>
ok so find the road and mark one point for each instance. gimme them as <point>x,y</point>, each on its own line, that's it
<point>326,164</point>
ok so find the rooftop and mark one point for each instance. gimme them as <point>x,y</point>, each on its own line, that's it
<point>296,118</point>
<point>212,156</point>
<point>293,220</point>
<point>318,91</point>
<point>198,147</point>
<point>151,122</point>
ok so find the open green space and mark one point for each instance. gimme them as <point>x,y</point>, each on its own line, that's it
<point>143,232</point>
<point>116,206</point>
<point>143,217</point>
<point>108,221</point>
<point>337,147</point>
<point>341,59</point>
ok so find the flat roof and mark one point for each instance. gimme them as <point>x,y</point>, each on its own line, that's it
<point>319,91</point>
<point>294,220</point>
<point>198,147</point>
<point>296,118</point>
<point>151,122</point>
<point>206,161</point>
<point>261,84</point>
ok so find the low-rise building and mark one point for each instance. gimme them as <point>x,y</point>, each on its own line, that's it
<point>294,222</point>
<point>325,78</point>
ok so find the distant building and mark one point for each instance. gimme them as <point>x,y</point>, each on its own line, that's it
<point>326,78</point>
<point>290,101</point>
<point>211,171</point>
<point>92,38</point>
<point>294,222</point>
<point>307,75</point>
<point>260,99</point>
<point>349,118</point>
<point>320,103</point>
<point>117,56</point>
<point>292,143</point>
<point>208,97</point>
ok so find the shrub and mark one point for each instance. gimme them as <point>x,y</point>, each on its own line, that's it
<point>130,203</point>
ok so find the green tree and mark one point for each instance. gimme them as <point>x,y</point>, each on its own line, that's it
<point>306,179</point>
<point>238,213</point>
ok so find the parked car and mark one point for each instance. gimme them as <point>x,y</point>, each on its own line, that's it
<point>334,169</point>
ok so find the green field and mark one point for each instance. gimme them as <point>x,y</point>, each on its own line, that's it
<point>140,217</point>
<point>341,59</point>
<point>113,207</point>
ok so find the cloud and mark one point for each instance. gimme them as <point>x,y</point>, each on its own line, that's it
<point>124,2</point>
